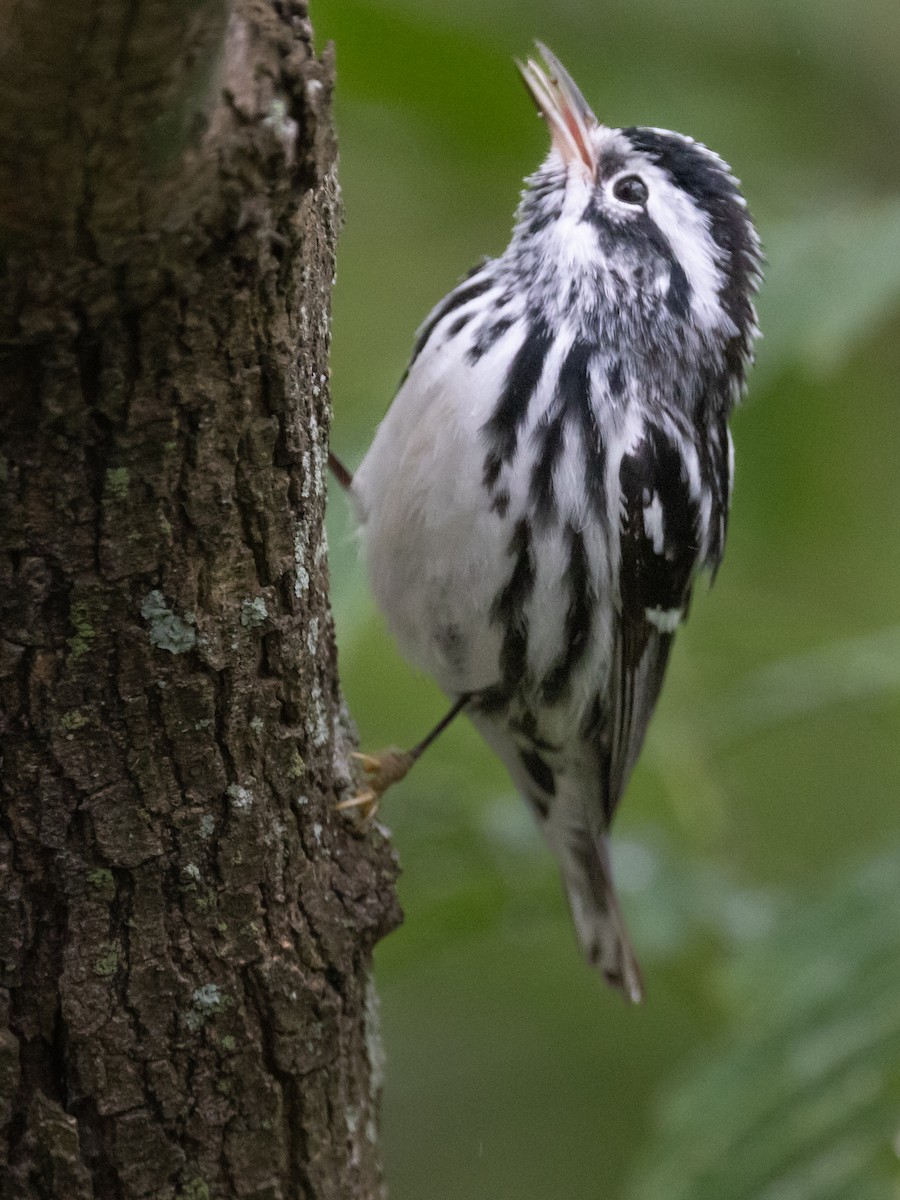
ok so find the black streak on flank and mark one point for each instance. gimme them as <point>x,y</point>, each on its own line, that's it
<point>507,607</point>
<point>488,337</point>
<point>548,442</point>
<point>502,427</point>
<point>578,621</point>
<point>459,324</point>
<point>539,770</point>
<point>576,400</point>
<point>500,503</point>
<point>458,297</point>
<point>508,610</point>
<point>616,379</point>
<point>527,725</point>
<point>493,465</point>
<point>572,404</point>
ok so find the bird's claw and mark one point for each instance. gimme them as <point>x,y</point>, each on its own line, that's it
<point>380,772</point>
<point>366,802</point>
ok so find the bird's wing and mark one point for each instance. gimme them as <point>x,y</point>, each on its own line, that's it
<point>660,541</point>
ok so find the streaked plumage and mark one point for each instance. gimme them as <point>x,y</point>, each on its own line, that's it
<point>556,469</point>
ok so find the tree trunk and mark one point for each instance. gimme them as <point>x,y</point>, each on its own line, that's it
<point>186,930</point>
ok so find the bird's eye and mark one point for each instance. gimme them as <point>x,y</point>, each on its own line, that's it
<point>630,189</point>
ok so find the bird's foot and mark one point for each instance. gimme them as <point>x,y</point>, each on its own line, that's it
<point>379,771</point>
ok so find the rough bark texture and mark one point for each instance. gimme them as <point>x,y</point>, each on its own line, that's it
<point>186,924</point>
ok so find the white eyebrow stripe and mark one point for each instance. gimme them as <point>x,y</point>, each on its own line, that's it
<point>686,227</point>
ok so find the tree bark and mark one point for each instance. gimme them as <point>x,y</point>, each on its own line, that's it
<point>186,924</point>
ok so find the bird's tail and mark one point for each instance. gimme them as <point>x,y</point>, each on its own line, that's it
<point>598,920</point>
<point>568,813</point>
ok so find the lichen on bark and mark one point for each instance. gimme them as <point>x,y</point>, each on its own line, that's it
<point>187,925</point>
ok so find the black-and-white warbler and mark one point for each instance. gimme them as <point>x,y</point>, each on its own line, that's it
<point>556,469</point>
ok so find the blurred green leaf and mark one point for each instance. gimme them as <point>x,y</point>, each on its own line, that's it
<point>833,280</point>
<point>805,1104</point>
<point>865,667</point>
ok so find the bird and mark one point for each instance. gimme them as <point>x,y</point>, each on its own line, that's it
<point>556,469</point>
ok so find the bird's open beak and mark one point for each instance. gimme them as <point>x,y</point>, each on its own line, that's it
<point>565,110</point>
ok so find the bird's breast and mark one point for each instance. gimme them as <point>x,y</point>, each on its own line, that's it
<point>492,565</point>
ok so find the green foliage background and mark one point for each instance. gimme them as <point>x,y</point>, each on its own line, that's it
<point>757,846</point>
